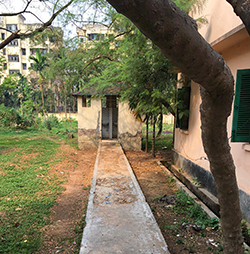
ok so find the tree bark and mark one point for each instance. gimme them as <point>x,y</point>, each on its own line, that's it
<point>42,94</point>
<point>242,9</point>
<point>175,33</point>
<point>168,107</point>
<point>27,34</point>
<point>147,135</point>
<point>74,105</point>
<point>153,138</point>
<point>65,103</point>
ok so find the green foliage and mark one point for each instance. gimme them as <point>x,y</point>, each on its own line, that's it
<point>165,140</point>
<point>2,66</point>
<point>10,117</point>
<point>157,198</point>
<point>171,179</point>
<point>28,190</point>
<point>9,84</point>
<point>185,204</point>
<point>54,35</point>
<point>50,122</point>
<point>191,6</point>
<point>219,249</point>
<point>179,241</point>
<point>129,59</point>
<point>185,5</point>
<point>16,92</point>
<point>213,222</point>
<point>66,66</point>
<point>39,63</point>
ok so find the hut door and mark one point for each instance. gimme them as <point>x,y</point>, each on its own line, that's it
<point>109,118</point>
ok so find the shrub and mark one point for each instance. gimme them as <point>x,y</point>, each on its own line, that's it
<point>10,117</point>
<point>51,121</point>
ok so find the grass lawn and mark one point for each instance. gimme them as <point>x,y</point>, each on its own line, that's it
<point>28,187</point>
<point>164,141</point>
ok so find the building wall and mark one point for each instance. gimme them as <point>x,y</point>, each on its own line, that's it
<point>230,39</point>
<point>90,126</point>
<point>221,19</point>
<point>22,44</point>
<point>86,31</point>
<point>188,143</point>
<point>168,119</point>
<point>238,57</point>
<point>129,129</point>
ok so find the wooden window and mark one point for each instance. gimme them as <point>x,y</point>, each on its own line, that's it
<point>111,101</point>
<point>13,71</point>
<point>3,36</point>
<point>241,114</point>
<point>4,52</point>
<point>32,51</point>
<point>182,114</point>
<point>13,58</point>
<point>13,43</point>
<point>95,36</point>
<point>24,66</point>
<point>23,51</point>
<point>11,27</point>
<point>86,101</point>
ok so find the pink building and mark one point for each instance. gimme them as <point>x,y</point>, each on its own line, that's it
<point>228,36</point>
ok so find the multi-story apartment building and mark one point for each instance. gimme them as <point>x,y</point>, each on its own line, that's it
<point>91,32</point>
<point>17,52</point>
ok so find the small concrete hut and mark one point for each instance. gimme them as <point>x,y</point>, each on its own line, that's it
<point>102,116</point>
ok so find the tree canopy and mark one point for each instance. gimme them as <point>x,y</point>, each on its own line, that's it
<point>176,35</point>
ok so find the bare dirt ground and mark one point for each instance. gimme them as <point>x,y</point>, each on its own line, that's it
<point>64,234</point>
<point>181,237</point>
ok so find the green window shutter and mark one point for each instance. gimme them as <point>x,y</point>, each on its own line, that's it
<point>182,116</point>
<point>241,115</point>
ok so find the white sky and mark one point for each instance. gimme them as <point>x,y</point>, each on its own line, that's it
<point>41,9</point>
<point>43,12</point>
<point>37,7</point>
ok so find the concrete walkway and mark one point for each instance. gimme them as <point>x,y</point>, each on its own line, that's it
<point>118,218</point>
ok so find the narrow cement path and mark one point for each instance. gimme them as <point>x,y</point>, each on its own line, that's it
<point>118,218</point>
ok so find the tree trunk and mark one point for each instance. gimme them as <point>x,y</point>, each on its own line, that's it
<point>175,33</point>
<point>146,148</point>
<point>42,96</point>
<point>74,105</point>
<point>65,105</point>
<point>21,104</point>
<point>153,138</point>
<point>242,8</point>
<point>215,141</point>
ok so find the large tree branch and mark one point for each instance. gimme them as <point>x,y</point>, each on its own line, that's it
<point>9,39</point>
<point>98,58</point>
<point>18,35</point>
<point>175,33</point>
<point>242,9</point>
<point>168,107</point>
